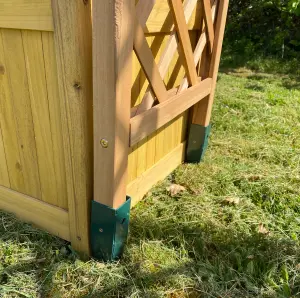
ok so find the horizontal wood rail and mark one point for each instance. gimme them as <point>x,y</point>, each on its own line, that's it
<point>30,15</point>
<point>50,218</point>
<point>146,123</point>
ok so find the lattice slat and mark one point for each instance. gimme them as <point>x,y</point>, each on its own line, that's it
<point>143,10</point>
<point>199,48</point>
<point>148,63</point>
<point>146,118</point>
<point>209,23</point>
<point>186,52</point>
<point>165,59</point>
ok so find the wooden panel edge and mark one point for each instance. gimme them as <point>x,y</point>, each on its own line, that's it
<point>26,15</point>
<point>47,217</point>
<point>140,186</point>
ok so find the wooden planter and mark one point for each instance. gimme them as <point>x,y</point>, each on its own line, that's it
<point>84,121</point>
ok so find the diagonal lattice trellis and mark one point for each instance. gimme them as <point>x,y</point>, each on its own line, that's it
<point>148,117</point>
<point>119,26</point>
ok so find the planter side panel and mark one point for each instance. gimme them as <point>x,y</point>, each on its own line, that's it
<point>31,138</point>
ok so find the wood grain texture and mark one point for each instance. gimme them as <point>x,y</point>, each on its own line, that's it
<point>26,14</point>
<point>140,186</point>
<point>4,177</point>
<point>145,124</point>
<point>55,118</point>
<point>16,70</point>
<point>72,22</point>
<point>35,66</point>
<point>186,53</point>
<point>112,61</point>
<point>45,216</point>
<point>9,127</point>
<point>148,63</point>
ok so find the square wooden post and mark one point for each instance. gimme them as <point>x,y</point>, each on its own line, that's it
<point>112,63</point>
<point>201,113</point>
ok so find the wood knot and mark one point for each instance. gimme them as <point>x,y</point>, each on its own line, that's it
<point>2,69</point>
<point>85,2</point>
<point>18,166</point>
<point>77,86</point>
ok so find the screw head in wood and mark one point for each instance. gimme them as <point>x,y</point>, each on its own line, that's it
<point>104,143</point>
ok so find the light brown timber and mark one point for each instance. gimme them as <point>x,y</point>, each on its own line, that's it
<point>144,124</point>
<point>72,32</point>
<point>52,219</point>
<point>113,39</point>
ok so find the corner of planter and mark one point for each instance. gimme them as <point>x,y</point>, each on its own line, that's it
<point>109,230</point>
<point>197,142</point>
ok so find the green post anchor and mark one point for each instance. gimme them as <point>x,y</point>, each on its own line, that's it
<point>197,142</point>
<point>109,230</point>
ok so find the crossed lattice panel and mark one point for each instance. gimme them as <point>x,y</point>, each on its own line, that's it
<point>148,117</point>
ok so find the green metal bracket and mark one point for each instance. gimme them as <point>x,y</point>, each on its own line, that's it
<point>109,230</point>
<point>197,142</point>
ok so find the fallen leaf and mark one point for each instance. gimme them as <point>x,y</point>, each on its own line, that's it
<point>174,189</point>
<point>254,178</point>
<point>263,230</point>
<point>234,201</point>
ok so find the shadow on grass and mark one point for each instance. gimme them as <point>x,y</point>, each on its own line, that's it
<point>291,84</point>
<point>255,87</point>
<point>216,261</point>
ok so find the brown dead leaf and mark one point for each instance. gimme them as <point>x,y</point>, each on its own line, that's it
<point>174,189</point>
<point>263,230</point>
<point>232,200</point>
<point>254,178</point>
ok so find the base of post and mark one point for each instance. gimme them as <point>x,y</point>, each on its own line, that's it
<point>197,142</point>
<point>109,230</point>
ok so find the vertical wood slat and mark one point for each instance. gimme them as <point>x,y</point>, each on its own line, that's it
<point>20,100</point>
<point>148,64</point>
<point>4,177</point>
<point>34,56</point>
<point>72,32</point>
<point>55,118</point>
<point>209,23</point>
<point>202,111</point>
<point>112,53</point>
<point>9,126</point>
<point>184,41</point>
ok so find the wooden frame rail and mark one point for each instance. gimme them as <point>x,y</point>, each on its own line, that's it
<point>144,124</point>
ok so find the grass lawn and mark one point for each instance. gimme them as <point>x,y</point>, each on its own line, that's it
<point>234,232</point>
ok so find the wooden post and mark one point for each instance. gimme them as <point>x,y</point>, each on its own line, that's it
<point>201,112</point>
<point>112,62</point>
<point>73,47</point>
